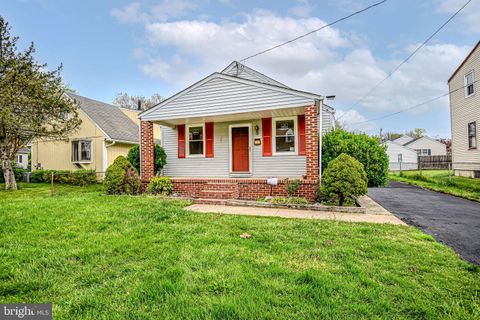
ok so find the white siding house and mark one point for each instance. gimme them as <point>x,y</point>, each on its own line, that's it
<point>239,123</point>
<point>465,115</point>
<point>401,157</point>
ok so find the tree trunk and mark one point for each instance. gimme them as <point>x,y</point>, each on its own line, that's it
<point>341,200</point>
<point>8,175</point>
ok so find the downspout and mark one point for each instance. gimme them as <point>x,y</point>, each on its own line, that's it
<point>320,126</point>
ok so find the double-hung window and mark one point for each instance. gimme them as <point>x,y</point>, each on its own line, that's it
<point>285,135</point>
<point>81,151</point>
<point>472,135</point>
<point>195,140</point>
<point>469,80</point>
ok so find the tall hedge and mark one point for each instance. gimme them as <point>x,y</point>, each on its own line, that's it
<point>362,147</point>
<point>159,158</point>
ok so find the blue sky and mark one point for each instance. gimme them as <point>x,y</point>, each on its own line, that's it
<point>146,47</point>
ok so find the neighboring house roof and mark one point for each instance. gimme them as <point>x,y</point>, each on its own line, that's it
<point>222,94</point>
<point>400,145</point>
<point>23,150</point>
<point>420,138</point>
<point>403,139</point>
<point>109,118</point>
<point>465,60</point>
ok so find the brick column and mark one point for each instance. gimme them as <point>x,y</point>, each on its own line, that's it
<point>146,152</point>
<point>311,142</point>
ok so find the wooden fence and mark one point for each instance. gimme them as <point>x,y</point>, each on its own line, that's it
<point>434,162</point>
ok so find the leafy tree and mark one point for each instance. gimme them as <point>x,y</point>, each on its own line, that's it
<point>416,133</point>
<point>343,179</point>
<point>365,149</point>
<point>159,158</point>
<point>125,100</point>
<point>32,105</point>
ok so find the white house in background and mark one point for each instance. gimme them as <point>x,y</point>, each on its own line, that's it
<point>424,146</point>
<point>465,115</point>
<point>401,157</point>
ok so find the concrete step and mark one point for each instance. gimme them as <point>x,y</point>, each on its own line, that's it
<point>210,201</point>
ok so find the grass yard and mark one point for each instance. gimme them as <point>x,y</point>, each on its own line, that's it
<point>121,257</point>
<point>438,180</point>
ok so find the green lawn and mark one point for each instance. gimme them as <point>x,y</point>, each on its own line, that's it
<point>438,180</point>
<point>119,257</point>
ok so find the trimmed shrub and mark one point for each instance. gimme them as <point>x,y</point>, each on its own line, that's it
<point>160,185</point>
<point>121,178</point>
<point>75,178</point>
<point>159,158</point>
<point>292,186</point>
<point>362,147</point>
<point>343,179</point>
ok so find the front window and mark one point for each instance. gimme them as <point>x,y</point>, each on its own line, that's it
<point>285,135</point>
<point>469,80</point>
<point>195,140</point>
<point>472,135</point>
<point>81,151</point>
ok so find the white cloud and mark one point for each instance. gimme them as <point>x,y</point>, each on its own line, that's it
<point>329,62</point>
<point>353,120</point>
<point>163,11</point>
<point>303,9</point>
<point>470,15</point>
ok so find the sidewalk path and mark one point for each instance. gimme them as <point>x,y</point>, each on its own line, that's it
<point>294,213</point>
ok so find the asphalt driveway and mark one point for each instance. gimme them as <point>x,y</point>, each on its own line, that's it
<point>451,220</point>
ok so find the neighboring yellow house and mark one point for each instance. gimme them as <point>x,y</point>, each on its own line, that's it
<point>106,132</point>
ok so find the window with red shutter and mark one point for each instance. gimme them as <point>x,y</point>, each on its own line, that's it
<point>267,136</point>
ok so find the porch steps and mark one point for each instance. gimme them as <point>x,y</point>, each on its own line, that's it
<point>219,191</point>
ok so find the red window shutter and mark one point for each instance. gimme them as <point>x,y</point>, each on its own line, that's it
<point>301,135</point>
<point>209,139</point>
<point>267,136</point>
<point>181,140</point>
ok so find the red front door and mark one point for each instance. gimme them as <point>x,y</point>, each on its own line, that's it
<point>240,154</point>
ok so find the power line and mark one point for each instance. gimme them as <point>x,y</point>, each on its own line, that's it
<point>313,31</point>
<point>405,60</point>
<point>410,108</point>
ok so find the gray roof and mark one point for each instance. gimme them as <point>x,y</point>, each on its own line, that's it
<point>112,121</point>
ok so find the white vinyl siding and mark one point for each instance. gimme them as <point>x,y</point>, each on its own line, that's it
<point>464,110</point>
<point>220,96</point>
<point>218,166</point>
<point>328,120</point>
<point>396,152</point>
<point>425,144</point>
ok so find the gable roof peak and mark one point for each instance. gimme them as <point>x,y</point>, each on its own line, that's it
<point>240,70</point>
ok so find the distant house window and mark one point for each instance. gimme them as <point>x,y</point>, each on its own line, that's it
<point>19,158</point>
<point>195,140</point>
<point>81,151</point>
<point>424,152</point>
<point>472,135</point>
<point>284,130</point>
<point>400,157</point>
<point>469,80</point>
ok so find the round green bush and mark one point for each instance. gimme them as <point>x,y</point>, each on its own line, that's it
<point>121,178</point>
<point>343,179</point>
<point>362,147</point>
<point>159,158</point>
<point>160,185</point>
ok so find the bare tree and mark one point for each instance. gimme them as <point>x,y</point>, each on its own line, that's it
<point>32,104</point>
<point>124,100</point>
